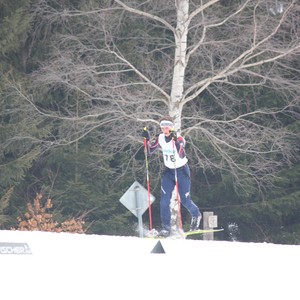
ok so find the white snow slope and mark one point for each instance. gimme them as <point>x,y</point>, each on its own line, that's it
<point>72,266</point>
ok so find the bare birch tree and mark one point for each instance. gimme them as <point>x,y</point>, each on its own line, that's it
<point>226,71</point>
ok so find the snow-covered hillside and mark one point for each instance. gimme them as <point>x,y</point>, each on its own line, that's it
<point>87,267</point>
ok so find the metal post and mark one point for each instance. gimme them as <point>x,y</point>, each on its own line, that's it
<point>138,210</point>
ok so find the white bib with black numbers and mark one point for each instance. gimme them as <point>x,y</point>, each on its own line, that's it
<point>170,154</point>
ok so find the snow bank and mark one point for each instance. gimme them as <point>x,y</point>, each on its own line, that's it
<point>73,266</point>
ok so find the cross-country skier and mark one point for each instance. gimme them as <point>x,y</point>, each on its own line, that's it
<point>173,149</point>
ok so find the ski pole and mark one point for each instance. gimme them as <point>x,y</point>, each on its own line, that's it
<point>176,186</point>
<point>148,183</point>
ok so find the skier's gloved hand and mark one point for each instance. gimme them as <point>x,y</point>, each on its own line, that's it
<point>173,135</point>
<point>145,134</point>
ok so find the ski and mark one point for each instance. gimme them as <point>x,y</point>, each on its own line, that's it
<point>202,231</point>
<point>182,235</point>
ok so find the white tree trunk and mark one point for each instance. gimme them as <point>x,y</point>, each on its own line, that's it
<point>181,33</point>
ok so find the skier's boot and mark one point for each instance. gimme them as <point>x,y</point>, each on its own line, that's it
<point>164,233</point>
<point>195,223</point>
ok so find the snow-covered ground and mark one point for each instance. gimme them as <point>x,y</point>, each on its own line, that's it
<point>71,266</point>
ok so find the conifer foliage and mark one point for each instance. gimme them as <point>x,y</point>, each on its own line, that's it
<point>4,202</point>
<point>38,218</point>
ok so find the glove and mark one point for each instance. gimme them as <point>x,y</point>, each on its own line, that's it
<point>173,135</point>
<point>145,134</point>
